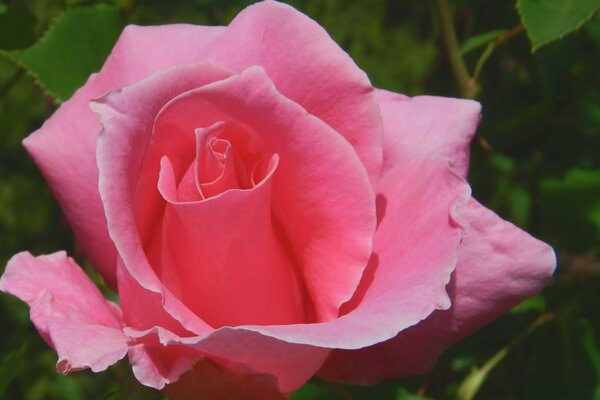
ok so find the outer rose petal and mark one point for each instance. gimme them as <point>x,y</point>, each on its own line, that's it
<point>64,148</point>
<point>436,127</point>
<point>499,266</point>
<point>308,67</point>
<point>68,310</point>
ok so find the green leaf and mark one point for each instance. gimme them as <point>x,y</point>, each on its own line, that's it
<point>403,394</point>
<point>549,20</point>
<point>309,391</point>
<point>536,303</point>
<point>17,24</point>
<point>73,48</point>
<point>480,40</point>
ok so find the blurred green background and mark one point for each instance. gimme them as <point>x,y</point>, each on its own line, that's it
<point>536,162</point>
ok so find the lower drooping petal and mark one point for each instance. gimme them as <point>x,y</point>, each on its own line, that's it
<point>160,354</point>
<point>499,266</point>
<point>68,310</point>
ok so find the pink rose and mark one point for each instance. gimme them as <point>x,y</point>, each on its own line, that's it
<point>265,215</point>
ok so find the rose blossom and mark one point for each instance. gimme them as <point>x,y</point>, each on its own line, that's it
<point>265,215</point>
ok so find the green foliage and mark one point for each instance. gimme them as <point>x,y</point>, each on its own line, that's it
<point>75,46</point>
<point>549,20</point>
<point>480,40</point>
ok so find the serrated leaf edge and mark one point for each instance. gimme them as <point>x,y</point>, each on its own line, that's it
<point>42,40</point>
<point>534,48</point>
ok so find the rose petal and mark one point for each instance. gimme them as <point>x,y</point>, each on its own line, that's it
<point>127,116</point>
<point>308,67</point>
<point>220,273</point>
<point>429,126</point>
<point>64,148</point>
<point>155,367</point>
<point>291,364</point>
<point>68,310</point>
<point>499,266</point>
<point>209,380</point>
<point>416,249</point>
<point>317,170</point>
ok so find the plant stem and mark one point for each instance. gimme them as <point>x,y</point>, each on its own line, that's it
<point>471,384</point>
<point>466,86</point>
<point>6,86</point>
<point>493,45</point>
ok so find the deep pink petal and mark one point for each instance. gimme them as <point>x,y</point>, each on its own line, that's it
<point>308,67</point>
<point>499,266</point>
<point>321,194</point>
<point>436,127</point>
<point>64,148</point>
<point>127,116</point>
<point>228,263</point>
<point>209,380</point>
<point>155,366</point>
<point>144,309</point>
<point>68,310</point>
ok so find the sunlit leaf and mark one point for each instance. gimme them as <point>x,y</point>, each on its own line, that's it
<point>549,20</point>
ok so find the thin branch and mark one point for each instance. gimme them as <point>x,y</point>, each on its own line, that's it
<point>472,383</point>
<point>465,84</point>
<point>493,45</point>
<point>6,86</point>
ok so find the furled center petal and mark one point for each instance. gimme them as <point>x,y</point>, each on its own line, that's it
<point>219,249</point>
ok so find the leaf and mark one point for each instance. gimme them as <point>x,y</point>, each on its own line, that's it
<point>536,303</point>
<point>549,20</point>
<point>403,394</point>
<point>17,24</point>
<point>309,391</point>
<point>74,47</point>
<point>480,40</point>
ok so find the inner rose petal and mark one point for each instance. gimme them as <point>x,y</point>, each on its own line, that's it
<point>222,276</point>
<point>218,166</point>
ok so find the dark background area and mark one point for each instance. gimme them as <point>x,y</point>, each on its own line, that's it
<point>536,163</point>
